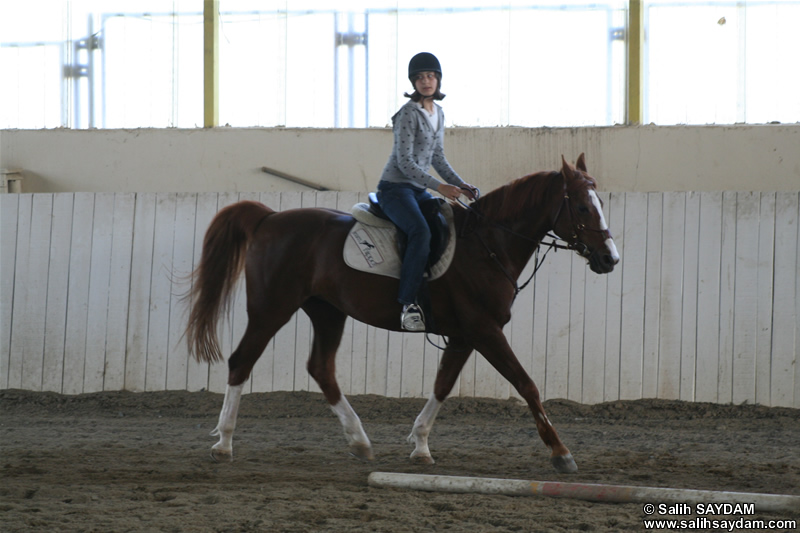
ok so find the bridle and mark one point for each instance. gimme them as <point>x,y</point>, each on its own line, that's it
<point>573,243</point>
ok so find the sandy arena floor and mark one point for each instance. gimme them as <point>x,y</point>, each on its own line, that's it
<point>140,462</point>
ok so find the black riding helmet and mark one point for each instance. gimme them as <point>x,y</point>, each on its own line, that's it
<point>423,62</point>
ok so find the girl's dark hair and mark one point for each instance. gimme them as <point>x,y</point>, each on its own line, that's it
<point>438,95</point>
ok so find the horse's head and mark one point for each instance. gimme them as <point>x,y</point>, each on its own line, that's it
<point>579,219</point>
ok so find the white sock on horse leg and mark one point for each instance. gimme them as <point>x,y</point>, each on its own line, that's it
<point>351,424</point>
<point>422,427</point>
<point>227,419</point>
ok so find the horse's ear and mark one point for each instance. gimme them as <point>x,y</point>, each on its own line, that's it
<point>581,164</point>
<point>566,168</point>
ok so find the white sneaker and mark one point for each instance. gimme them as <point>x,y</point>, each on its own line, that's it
<point>412,319</point>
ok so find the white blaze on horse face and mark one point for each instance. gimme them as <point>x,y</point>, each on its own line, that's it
<point>603,225</point>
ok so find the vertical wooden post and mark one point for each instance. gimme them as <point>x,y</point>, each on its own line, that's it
<point>635,46</point>
<point>210,63</point>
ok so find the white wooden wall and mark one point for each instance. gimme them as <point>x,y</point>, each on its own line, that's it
<point>705,305</point>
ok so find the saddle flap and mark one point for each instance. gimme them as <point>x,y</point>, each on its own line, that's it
<point>372,245</point>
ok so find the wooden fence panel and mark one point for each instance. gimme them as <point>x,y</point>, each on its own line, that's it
<point>688,338</point>
<point>540,287</point>
<point>32,325</point>
<point>652,298</point>
<point>669,348</point>
<point>9,219</point>
<point>632,265</point>
<point>19,337</point>
<point>578,307</point>
<point>139,305</point>
<point>556,342</point>
<point>784,373</point>
<point>708,297</point>
<point>99,289</point>
<point>745,298</point>
<point>726,300</point>
<point>614,211</point>
<point>78,293</point>
<point>764,294</point>
<point>394,364</point>
<point>57,289</point>
<point>703,306</point>
<point>594,341</point>
<point>119,291</point>
<point>413,345</point>
<point>160,288</point>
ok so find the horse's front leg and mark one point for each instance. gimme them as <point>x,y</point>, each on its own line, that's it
<point>494,347</point>
<point>453,359</point>
<point>223,450</point>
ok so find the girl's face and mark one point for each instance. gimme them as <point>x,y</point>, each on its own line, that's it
<point>426,83</point>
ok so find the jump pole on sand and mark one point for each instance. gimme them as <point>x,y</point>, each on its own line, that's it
<point>582,491</point>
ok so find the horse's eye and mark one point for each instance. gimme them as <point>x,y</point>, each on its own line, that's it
<point>582,209</point>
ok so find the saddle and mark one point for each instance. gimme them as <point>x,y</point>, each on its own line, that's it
<point>375,245</point>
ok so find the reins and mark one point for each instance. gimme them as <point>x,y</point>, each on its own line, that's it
<point>577,246</point>
<point>553,244</point>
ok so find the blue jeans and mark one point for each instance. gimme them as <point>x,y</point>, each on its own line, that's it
<point>400,202</point>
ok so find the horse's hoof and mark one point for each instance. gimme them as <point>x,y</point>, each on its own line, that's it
<point>362,452</point>
<point>564,464</point>
<point>221,456</point>
<point>422,459</point>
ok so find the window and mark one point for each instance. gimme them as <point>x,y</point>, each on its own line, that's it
<point>557,63</point>
<point>314,63</point>
<point>721,62</point>
<point>107,64</point>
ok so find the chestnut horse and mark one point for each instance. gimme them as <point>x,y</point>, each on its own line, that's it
<point>293,260</point>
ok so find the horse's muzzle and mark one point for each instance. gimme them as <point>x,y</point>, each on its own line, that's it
<point>603,261</point>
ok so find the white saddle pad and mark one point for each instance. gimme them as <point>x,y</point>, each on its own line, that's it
<point>371,246</point>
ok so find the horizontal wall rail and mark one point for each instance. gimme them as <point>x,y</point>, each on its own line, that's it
<point>703,307</point>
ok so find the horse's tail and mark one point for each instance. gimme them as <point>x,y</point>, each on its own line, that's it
<point>222,261</point>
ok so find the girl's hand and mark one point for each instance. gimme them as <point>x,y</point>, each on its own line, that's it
<point>470,191</point>
<point>451,192</point>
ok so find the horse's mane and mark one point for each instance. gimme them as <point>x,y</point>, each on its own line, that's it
<point>509,201</point>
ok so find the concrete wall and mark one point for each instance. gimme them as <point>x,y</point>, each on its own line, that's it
<point>623,159</point>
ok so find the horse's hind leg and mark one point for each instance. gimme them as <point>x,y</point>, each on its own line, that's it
<point>260,329</point>
<point>328,325</point>
<point>453,360</point>
<point>223,450</point>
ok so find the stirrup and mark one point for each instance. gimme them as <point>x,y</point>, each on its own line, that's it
<point>412,319</point>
